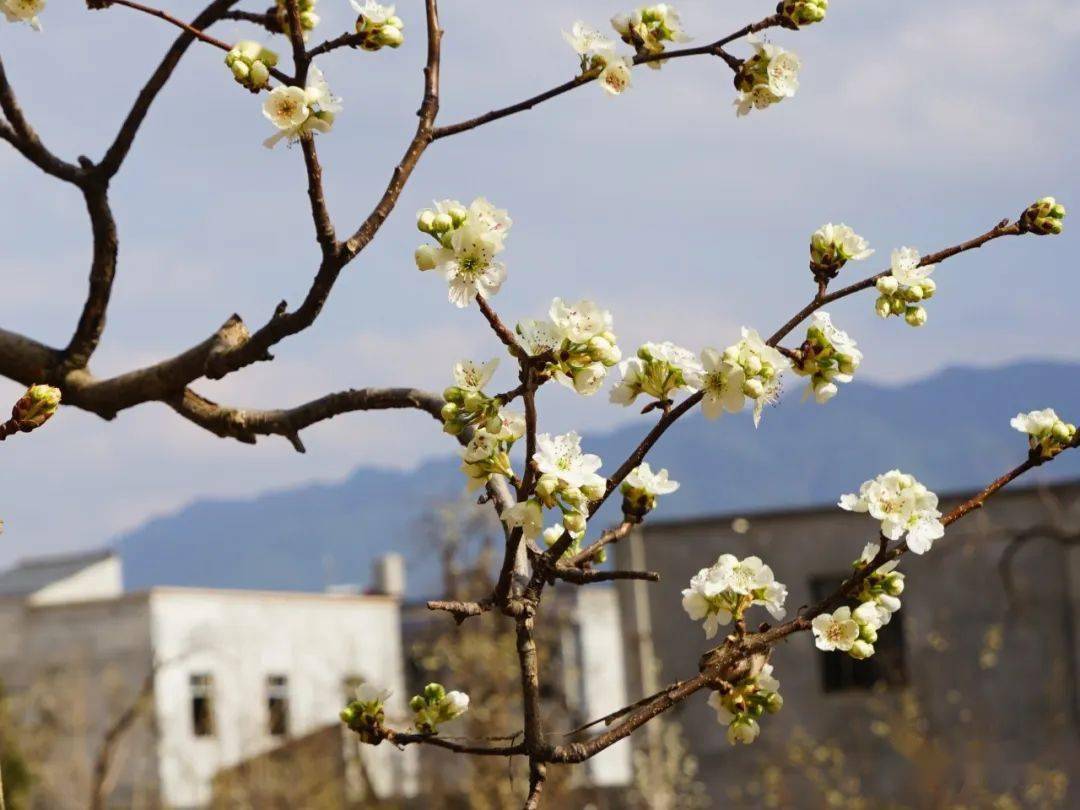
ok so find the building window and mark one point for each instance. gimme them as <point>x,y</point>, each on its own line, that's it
<point>277,704</point>
<point>886,667</point>
<point>202,705</point>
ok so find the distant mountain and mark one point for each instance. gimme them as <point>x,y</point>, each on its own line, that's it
<point>951,430</point>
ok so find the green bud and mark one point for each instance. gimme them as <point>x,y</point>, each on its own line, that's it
<point>348,714</point>
<point>574,522</point>
<point>1044,217</point>
<point>453,427</point>
<point>390,36</point>
<point>756,710</point>
<point>34,408</point>
<point>546,485</point>
<point>753,388</point>
<point>449,411</point>
<point>442,222</point>
<point>774,703</point>
<point>882,307</point>
<point>426,257</point>
<point>1060,431</point>
<point>396,22</point>
<point>887,285</point>
<point>913,294</point>
<point>260,75</point>
<point>845,364</point>
<point>893,584</point>
<point>417,703</point>
<point>915,316</point>
<point>434,693</point>
<point>473,401</point>
<point>861,650</point>
<point>425,220</point>
<point>929,287</point>
<point>494,424</point>
<point>867,633</point>
<point>240,70</point>
<point>594,491</point>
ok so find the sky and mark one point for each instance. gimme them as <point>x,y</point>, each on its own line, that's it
<point>918,124</point>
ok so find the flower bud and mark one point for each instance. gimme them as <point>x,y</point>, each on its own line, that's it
<point>240,70</point>
<point>893,584</point>
<point>913,294</point>
<point>448,411</point>
<point>442,222</point>
<point>546,485</point>
<point>416,703</point>
<point>494,424</point>
<point>867,633</point>
<point>592,491</point>
<point>861,650</point>
<point>743,730</point>
<point>890,603</point>
<point>887,285</point>
<point>752,365</point>
<point>34,408</point>
<point>882,307</point>
<point>774,703</point>
<point>425,220</point>
<point>929,287</point>
<point>390,36</point>
<point>473,401</point>
<point>574,522</point>
<point>396,22</point>
<point>915,316</point>
<point>426,257</point>
<point>348,714</point>
<point>260,75</point>
<point>453,427</point>
<point>753,389</point>
<point>1044,217</point>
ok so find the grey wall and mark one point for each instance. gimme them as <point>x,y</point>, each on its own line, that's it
<point>968,720</point>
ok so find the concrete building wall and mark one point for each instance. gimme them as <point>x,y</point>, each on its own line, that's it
<point>991,683</point>
<point>76,669</point>
<point>241,638</point>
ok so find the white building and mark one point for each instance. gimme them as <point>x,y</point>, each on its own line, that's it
<point>224,677</point>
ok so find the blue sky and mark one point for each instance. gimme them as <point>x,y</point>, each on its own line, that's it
<point>917,124</point>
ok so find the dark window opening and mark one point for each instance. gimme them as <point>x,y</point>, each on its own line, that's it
<point>277,703</point>
<point>202,705</point>
<point>886,667</point>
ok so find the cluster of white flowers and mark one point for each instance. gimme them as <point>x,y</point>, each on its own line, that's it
<point>1044,217</point>
<point>902,504</point>
<point>568,482</point>
<point>308,18</point>
<point>832,246</point>
<point>749,369</point>
<point>597,52</point>
<point>435,706</point>
<point>740,708</point>
<point>488,451</point>
<point>468,240</point>
<point>907,285</point>
<point>641,488</point>
<point>296,110</point>
<point>828,356</point>
<point>365,713</point>
<point>23,11</point>
<point>659,370</point>
<point>250,64</point>
<point>648,28</point>
<point>466,404</point>
<point>766,78</point>
<point>799,13</point>
<point>856,631</point>
<point>722,592</point>
<point>578,344</point>
<point>1048,434</point>
<point>377,25</point>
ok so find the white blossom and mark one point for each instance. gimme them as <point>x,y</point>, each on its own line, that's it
<point>527,515</point>
<point>295,111</point>
<point>580,321</point>
<point>659,370</point>
<point>457,703</point>
<point>642,478</point>
<point>1037,424</point>
<point>905,267</point>
<point>538,337</point>
<point>615,75</point>
<point>23,11</point>
<point>835,631</point>
<point>561,457</point>
<point>840,240</point>
<point>587,41</point>
<point>724,590</point>
<point>829,356</point>
<point>721,385</point>
<point>762,366</point>
<point>902,504</point>
<point>470,376</point>
<point>372,12</point>
<point>370,694</point>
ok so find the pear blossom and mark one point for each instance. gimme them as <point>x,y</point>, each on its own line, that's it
<point>642,486</point>
<point>832,246</point>
<point>469,239</point>
<point>828,356</point>
<point>539,337</point>
<point>434,706</point>
<point>659,370</point>
<point>615,75</point>
<point>366,712</point>
<point>581,321</point>
<point>727,588</point>
<point>526,515</point>
<point>906,267</point>
<point>721,385</point>
<point>484,456</point>
<point>648,28</point>
<point>370,694</point>
<point>23,11</point>
<point>1044,217</point>
<point>761,365</point>
<point>835,631</point>
<point>561,457</point>
<point>587,41</point>
<point>751,697</point>
<point>470,376</point>
<point>295,111</point>
<point>1048,434</point>
<point>902,504</point>
<point>767,77</point>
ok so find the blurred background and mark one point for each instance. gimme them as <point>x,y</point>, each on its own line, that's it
<point>217,602</point>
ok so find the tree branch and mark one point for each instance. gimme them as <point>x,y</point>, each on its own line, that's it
<point>22,136</point>
<point>713,48</point>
